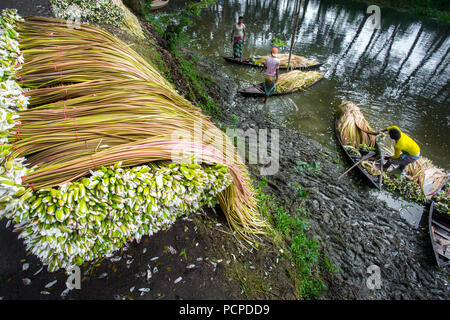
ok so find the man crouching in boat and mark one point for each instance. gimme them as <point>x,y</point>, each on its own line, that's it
<point>272,66</point>
<point>406,150</point>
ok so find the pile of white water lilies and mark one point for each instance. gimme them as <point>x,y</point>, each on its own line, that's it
<point>100,11</point>
<point>92,217</point>
<point>12,99</point>
<point>86,220</point>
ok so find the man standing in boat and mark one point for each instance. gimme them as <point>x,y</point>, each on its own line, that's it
<point>406,149</point>
<point>272,66</point>
<point>238,38</point>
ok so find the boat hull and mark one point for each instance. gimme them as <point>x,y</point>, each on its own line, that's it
<point>375,182</point>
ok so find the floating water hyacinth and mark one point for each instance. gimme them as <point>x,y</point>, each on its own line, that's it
<point>442,200</point>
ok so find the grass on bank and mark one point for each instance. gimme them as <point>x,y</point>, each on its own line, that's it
<point>289,233</point>
<point>198,81</point>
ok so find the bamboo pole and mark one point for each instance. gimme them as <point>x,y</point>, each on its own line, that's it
<point>298,5</point>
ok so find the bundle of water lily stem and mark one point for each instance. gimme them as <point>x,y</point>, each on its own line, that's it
<point>296,61</point>
<point>98,149</point>
<point>422,181</point>
<point>296,80</point>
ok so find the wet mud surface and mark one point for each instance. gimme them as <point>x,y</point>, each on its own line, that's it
<point>171,265</point>
<point>353,227</point>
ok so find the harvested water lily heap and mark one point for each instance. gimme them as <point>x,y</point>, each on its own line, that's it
<point>296,61</point>
<point>88,144</point>
<point>102,11</point>
<point>422,181</point>
<point>350,122</point>
<point>296,80</point>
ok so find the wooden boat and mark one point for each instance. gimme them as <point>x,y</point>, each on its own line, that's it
<point>249,62</point>
<point>155,5</point>
<point>439,228</point>
<point>257,90</point>
<point>376,182</point>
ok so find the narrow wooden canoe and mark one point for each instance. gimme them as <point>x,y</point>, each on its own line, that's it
<point>439,228</point>
<point>376,182</point>
<point>248,62</point>
<point>257,90</point>
<point>155,5</point>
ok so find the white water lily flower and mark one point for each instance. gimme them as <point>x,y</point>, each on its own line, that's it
<point>177,280</point>
<point>51,284</point>
<point>65,292</point>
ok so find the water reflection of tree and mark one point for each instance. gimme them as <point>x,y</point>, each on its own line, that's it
<point>350,45</point>
<point>323,28</point>
<point>436,69</point>
<point>405,85</point>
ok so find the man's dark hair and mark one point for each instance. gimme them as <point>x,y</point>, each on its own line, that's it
<point>241,17</point>
<point>394,134</point>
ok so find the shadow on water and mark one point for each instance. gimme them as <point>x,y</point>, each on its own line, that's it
<point>398,74</point>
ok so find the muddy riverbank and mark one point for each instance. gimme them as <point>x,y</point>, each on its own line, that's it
<point>353,227</point>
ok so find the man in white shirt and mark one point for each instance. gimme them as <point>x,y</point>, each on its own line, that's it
<point>238,38</point>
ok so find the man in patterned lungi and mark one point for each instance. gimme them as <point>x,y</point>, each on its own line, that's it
<point>238,38</point>
<point>272,66</point>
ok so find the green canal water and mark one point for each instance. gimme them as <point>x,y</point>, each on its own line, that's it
<point>398,75</point>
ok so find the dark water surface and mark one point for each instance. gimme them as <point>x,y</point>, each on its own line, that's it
<point>398,74</point>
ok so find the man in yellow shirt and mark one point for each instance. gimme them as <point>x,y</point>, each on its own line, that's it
<point>406,149</point>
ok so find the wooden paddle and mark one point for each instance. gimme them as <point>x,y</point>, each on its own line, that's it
<point>367,156</point>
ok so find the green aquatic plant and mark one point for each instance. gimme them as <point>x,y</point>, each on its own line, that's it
<point>405,186</point>
<point>442,199</point>
<point>302,165</point>
<point>278,43</point>
<point>173,25</point>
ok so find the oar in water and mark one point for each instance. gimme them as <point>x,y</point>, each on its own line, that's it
<point>367,156</point>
